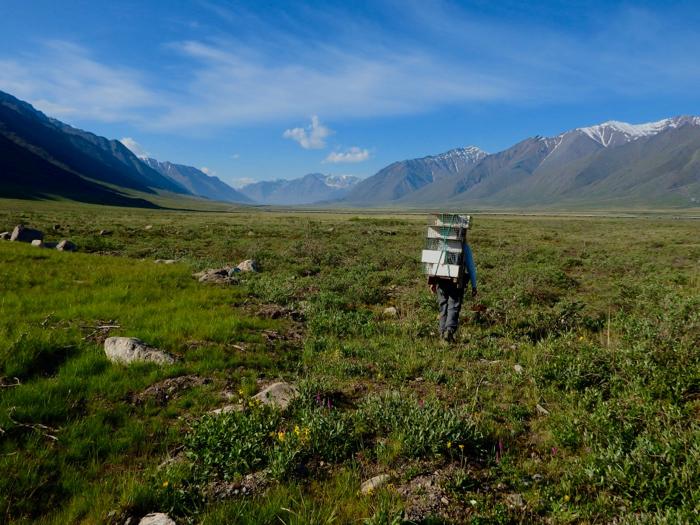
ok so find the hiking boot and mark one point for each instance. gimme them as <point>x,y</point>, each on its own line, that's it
<point>448,335</point>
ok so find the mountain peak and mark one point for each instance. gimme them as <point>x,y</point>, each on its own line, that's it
<point>614,132</point>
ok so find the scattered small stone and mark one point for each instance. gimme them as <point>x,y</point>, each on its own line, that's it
<point>66,246</point>
<point>251,233</point>
<point>148,227</point>
<point>5,236</point>
<point>331,230</point>
<point>104,233</point>
<point>537,477</point>
<point>444,500</point>
<point>23,234</point>
<point>518,369</point>
<point>249,265</point>
<point>56,227</point>
<point>127,350</point>
<point>391,311</point>
<point>279,394</point>
<point>38,243</point>
<point>374,483</point>
<point>156,518</point>
<point>541,410</point>
<point>166,261</point>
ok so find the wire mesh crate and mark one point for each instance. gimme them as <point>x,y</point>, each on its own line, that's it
<point>443,255</point>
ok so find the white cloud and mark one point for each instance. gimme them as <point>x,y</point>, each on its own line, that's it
<point>207,171</point>
<point>243,181</point>
<point>135,147</point>
<point>311,137</point>
<point>353,154</point>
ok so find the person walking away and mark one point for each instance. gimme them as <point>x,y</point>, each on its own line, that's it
<point>450,295</point>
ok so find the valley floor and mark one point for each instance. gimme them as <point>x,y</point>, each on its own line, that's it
<point>572,394</point>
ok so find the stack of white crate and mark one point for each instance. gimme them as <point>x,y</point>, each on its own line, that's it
<point>443,256</point>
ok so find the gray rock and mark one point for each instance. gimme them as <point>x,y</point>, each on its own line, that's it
<point>518,369</point>
<point>515,500</point>
<point>166,261</point>
<point>541,410</point>
<point>66,246</point>
<point>390,311</point>
<point>216,275</point>
<point>38,243</point>
<point>5,236</point>
<point>104,233</point>
<point>156,518</point>
<point>22,234</point>
<point>249,265</point>
<point>227,409</point>
<point>148,227</point>
<point>127,350</point>
<point>279,394</point>
<point>374,483</point>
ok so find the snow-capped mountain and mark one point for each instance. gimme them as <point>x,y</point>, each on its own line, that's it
<point>309,189</point>
<point>609,162</point>
<point>407,176</point>
<point>614,133</point>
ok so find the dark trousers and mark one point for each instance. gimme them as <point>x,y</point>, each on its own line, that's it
<point>449,296</point>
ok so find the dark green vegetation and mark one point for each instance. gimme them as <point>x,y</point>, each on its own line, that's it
<point>601,314</point>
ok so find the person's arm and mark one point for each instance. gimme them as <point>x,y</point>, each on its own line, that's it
<point>471,268</point>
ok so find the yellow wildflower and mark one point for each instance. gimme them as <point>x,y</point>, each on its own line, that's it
<point>165,484</point>
<point>461,447</point>
<point>297,431</point>
<point>280,436</point>
<point>240,391</point>
<point>449,444</point>
<point>567,498</point>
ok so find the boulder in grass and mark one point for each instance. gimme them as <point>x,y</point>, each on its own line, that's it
<point>5,236</point>
<point>23,234</point>
<point>372,484</point>
<point>66,246</point>
<point>216,275</point>
<point>278,394</point>
<point>249,265</point>
<point>390,311</point>
<point>156,518</point>
<point>126,350</point>
<point>38,243</point>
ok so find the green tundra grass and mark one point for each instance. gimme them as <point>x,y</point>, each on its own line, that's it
<point>599,423</point>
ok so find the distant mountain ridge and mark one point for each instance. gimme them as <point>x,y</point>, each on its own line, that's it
<point>613,163</point>
<point>405,177</point>
<point>309,189</point>
<point>196,181</point>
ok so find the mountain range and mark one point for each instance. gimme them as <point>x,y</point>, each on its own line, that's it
<point>309,189</point>
<point>44,158</point>
<point>610,164</point>
<point>196,181</point>
<point>606,165</point>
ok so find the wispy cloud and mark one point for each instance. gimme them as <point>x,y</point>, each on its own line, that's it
<point>135,147</point>
<point>351,155</point>
<point>428,55</point>
<point>312,137</point>
<point>65,81</point>
<point>207,171</point>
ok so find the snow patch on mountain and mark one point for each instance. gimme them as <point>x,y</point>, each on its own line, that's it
<point>613,132</point>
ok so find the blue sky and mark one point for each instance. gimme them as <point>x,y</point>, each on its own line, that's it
<point>269,89</point>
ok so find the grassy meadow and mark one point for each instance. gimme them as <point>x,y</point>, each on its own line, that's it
<point>572,393</point>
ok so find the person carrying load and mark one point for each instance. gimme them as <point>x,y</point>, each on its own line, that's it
<point>449,263</point>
